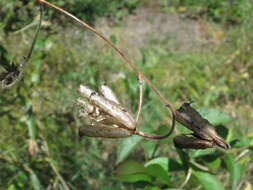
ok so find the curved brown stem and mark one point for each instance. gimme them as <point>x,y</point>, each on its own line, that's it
<point>149,136</point>
<point>124,57</point>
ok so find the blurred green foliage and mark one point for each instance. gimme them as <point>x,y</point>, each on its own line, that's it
<point>229,12</point>
<point>15,13</point>
<point>39,145</point>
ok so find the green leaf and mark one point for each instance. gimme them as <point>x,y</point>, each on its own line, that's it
<point>130,167</point>
<point>208,181</point>
<point>159,173</point>
<point>243,142</point>
<point>214,116</point>
<point>126,147</point>
<point>158,168</point>
<point>132,171</point>
<point>199,153</point>
<point>235,170</point>
<point>149,148</point>
<point>134,178</point>
<point>162,161</point>
<point>214,165</point>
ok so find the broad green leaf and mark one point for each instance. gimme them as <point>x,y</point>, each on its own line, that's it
<point>208,181</point>
<point>162,176</point>
<point>214,116</point>
<point>162,161</point>
<point>158,168</point>
<point>199,153</point>
<point>127,145</point>
<point>246,141</point>
<point>132,171</point>
<point>235,170</point>
<point>130,167</point>
<point>132,178</point>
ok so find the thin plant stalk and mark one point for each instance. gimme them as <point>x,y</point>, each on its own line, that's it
<point>124,57</point>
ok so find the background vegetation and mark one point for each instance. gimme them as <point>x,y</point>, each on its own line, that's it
<point>39,145</point>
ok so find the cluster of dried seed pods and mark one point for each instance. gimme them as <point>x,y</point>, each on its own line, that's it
<point>108,118</point>
<point>204,134</point>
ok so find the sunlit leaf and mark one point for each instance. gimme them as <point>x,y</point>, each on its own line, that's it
<point>247,141</point>
<point>208,181</point>
<point>214,116</point>
<point>130,167</point>
<point>134,178</point>
<point>161,161</point>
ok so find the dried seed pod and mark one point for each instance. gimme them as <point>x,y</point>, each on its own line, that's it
<point>201,127</point>
<point>107,92</point>
<point>190,142</point>
<point>85,91</point>
<point>101,130</point>
<point>109,107</point>
<point>87,107</point>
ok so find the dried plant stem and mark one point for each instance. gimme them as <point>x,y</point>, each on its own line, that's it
<point>128,61</point>
<point>188,176</point>
<point>140,100</point>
